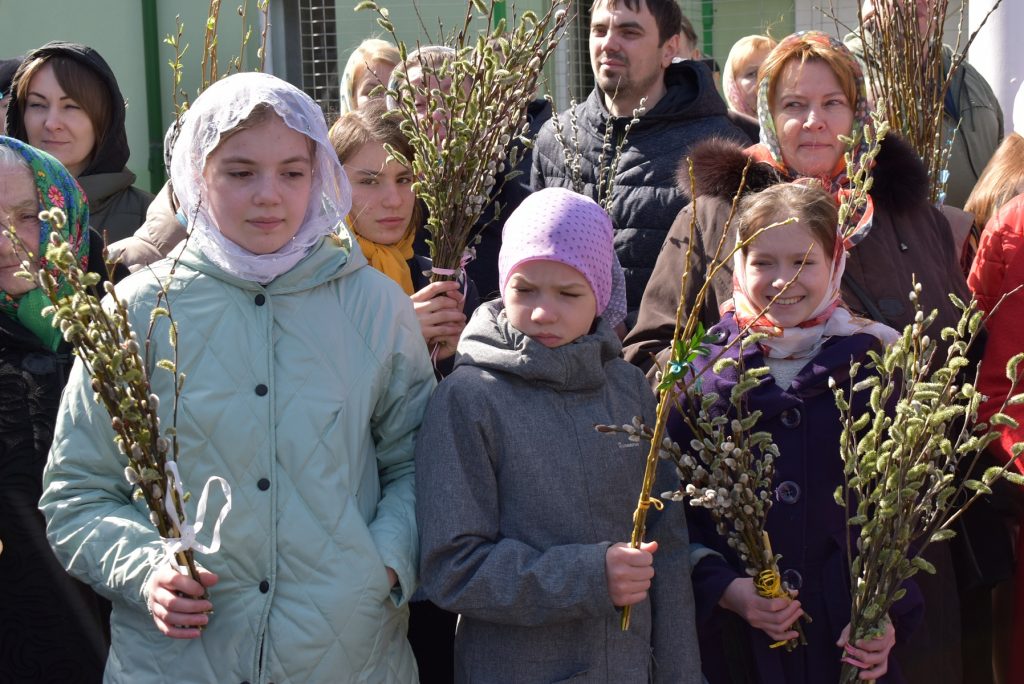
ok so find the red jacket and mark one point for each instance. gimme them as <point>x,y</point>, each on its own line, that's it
<point>998,268</point>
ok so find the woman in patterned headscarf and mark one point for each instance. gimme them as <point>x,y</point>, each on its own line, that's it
<point>56,626</point>
<point>811,92</point>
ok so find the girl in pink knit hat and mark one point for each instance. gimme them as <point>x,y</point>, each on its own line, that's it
<point>522,507</point>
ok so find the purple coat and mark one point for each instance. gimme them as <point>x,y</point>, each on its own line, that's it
<point>806,526</point>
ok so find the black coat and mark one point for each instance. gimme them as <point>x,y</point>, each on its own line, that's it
<point>53,627</point>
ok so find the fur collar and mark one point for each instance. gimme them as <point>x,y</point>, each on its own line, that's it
<point>900,178</point>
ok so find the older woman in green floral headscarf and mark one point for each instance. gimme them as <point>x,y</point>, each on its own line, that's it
<point>54,627</point>
<point>811,97</point>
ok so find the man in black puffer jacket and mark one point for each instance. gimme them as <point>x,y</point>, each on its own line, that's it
<point>632,47</point>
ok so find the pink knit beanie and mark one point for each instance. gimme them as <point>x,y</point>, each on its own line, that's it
<point>556,224</point>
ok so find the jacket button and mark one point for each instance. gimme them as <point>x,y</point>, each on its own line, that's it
<point>261,390</point>
<point>264,587</point>
<point>261,300</point>
<point>263,484</point>
<point>792,580</point>
<point>788,492</point>
<point>790,417</point>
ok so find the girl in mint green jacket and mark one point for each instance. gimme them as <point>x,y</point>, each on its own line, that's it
<point>307,379</point>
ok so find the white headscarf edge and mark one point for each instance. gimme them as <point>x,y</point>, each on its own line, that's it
<point>219,109</point>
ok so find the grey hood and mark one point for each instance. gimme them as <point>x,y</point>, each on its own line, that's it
<point>491,342</point>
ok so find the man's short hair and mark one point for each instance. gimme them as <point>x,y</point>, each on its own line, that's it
<point>686,28</point>
<point>667,15</point>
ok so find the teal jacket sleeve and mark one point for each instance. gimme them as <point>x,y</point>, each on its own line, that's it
<point>98,533</point>
<point>408,380</point>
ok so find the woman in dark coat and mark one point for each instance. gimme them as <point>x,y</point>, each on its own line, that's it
<point>88,138</point>
<point>907,237</point>
<point>55,628</point>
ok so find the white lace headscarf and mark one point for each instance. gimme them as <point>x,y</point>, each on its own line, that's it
<point>219,109</point>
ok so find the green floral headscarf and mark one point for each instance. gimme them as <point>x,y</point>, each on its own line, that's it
<point>55,187</point>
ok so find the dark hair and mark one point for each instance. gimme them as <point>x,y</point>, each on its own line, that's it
<point>8,67</point>
<point>686,28</point>
<point>808,202</point>
<point>81,83</point>
<point>372,123</point>
<point>667,15</point>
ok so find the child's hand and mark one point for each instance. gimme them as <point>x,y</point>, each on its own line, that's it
<point>174,612</point>
<point>870,655</point>
<point>774,617</point>
<point>629,572</point>
<point>439,310</point>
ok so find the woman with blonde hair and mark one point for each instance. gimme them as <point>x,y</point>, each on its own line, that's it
<point>739,78</point>
<point>1001,181</point>
<point>369,65</point>
<point>996,274</point>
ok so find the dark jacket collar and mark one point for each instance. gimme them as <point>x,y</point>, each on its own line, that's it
<point>689,94</point>
<point>832,362</point>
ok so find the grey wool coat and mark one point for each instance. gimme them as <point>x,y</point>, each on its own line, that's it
<point>519,498</point>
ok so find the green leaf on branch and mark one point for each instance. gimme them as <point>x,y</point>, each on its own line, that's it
<point>923,565</point>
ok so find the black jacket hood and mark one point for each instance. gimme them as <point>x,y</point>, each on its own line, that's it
<point>112,153</point>
<point>689,94</point>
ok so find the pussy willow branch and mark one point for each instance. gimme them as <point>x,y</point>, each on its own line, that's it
<point>492,81</point>
<point>905,505</point>
<point>683,330</point>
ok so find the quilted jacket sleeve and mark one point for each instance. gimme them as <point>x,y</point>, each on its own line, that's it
<point>409,381</point>
<point>98,534</point>
<point>541,164</point>
<point>467,566</point>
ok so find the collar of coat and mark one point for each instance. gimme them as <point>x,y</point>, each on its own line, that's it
<point>690,94</point>
<point>491,342</point>
<point>901,181</point>
<point>833,361</point>
<point>332,257</point>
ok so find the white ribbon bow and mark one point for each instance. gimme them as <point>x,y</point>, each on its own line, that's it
<point>187,532</point>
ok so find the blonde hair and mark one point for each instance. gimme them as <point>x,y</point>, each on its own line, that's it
<point>1002,179</point>
<point>741,52</point>
<point>745,48</point>
<point>366,53</point>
